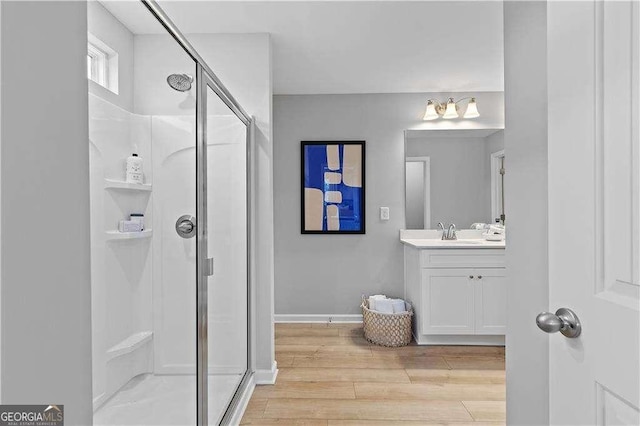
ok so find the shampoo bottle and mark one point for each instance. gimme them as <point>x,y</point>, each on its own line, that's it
<point>134,168</point>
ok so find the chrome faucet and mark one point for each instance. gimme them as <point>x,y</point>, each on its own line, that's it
<point>451,232</point>
<point>448,234</point>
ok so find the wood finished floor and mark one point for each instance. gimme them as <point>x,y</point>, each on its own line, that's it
<point>331,376</point>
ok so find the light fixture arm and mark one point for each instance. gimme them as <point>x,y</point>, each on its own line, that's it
<point>437,102</point>
<point>464,99</point>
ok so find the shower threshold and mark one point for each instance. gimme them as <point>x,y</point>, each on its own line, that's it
<point>165,400</point>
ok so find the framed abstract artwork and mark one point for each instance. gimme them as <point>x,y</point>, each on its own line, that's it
<point>333,187</point>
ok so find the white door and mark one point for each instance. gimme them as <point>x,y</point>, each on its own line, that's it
<point>447,296</point>
<point>490,288</point>
<point>594,221</point>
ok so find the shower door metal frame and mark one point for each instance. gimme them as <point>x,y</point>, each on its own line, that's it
<point>203,83</point>
<point>206,78</point>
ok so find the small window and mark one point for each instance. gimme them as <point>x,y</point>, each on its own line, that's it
<point>102,64</point>
<point>97,65</point>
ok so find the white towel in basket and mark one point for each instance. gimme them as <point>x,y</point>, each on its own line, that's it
<point>384,306</point>
<point>372,300</point>
<point>398,306</point>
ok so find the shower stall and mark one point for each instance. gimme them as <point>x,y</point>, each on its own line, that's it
<point>170,298</point>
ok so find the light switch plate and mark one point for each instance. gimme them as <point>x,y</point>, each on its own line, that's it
<point>384,213</point>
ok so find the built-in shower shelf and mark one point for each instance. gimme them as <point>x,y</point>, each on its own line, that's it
<point>117,235</point>
<point>118,184</point>
<point>129,344</point>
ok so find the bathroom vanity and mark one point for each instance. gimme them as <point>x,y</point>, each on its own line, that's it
<point>457,288</point>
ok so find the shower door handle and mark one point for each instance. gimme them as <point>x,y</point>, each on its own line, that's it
<point>208,267</point>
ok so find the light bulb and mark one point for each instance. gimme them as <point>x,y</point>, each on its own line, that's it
<point>451,111</point>
<point>472,109</point>
<point>430,113</point>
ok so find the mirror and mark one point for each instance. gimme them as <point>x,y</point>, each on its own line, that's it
<point>454,176</point>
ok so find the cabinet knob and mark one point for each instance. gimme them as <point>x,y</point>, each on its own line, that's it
<point>479,277</point>
<point>470,277</point>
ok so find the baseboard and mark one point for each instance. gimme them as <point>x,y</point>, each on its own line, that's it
<point>317,318</point>
<point>243,402</point>
<point>267,377</point>
<point>475,340</point>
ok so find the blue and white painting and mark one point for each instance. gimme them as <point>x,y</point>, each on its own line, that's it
<point>333,187</point>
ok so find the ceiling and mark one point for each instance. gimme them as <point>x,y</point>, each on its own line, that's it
<point>355,46</point>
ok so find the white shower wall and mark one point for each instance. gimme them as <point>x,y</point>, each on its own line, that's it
<point>174,257</point>
<point>121,275</point>
<point>174,161</point>
<point>143,290</point>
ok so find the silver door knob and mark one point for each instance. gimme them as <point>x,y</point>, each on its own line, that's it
<point>186,226</point>
<point>564,320</point>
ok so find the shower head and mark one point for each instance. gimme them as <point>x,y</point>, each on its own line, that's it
<point>180,82</point>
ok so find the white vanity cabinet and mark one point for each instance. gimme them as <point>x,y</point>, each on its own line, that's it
<point>490,298</point>
<point>458,294</point>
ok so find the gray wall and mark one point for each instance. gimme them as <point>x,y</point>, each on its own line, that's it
<point>326,274</point>
<point>460,180</point>
<point>494,143</point>
<point>46,301</point>
<point>0,209</point>
<point>525,53</point>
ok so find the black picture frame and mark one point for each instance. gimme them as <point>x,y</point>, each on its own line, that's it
<point>349,205</point>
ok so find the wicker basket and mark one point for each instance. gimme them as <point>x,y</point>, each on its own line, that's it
<point>391,330</point>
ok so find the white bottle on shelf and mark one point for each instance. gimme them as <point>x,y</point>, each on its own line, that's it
<point>134,168</point>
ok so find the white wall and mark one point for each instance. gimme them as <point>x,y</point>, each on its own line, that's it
<point>346,266</point>
<point>121,271</point>
<point>525,136</point>
<point>174,156</point>
<point>103,25</point>
<point>121,274</point>
<point>46,324</point>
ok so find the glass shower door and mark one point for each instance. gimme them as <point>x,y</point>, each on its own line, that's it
<point>224,149</point>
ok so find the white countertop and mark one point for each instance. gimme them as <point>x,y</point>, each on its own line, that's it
<point>430,238</point>
<point>423,243</point>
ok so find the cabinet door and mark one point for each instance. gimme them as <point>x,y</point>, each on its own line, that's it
<point>490,287</point>
<point>447,301</point>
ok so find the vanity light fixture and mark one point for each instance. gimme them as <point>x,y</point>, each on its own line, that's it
<point>472,109</point>
<point>436,109</point>
<point>431,113</point>
<point>451,111</point>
